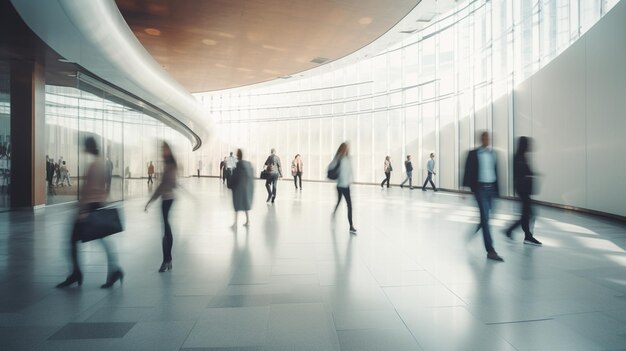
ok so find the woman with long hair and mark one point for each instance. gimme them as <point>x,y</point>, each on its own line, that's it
<point>165,190</point>
<point>343,165</point>
<point>93,195</point>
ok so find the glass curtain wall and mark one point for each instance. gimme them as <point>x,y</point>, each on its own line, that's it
<point>430,93</point>
<point>128,138</point>
<point>5,136</point>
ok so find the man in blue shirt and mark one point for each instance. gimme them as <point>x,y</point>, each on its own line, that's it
<point>481,176</point>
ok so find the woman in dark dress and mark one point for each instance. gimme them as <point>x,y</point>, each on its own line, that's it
<point>243,187</point>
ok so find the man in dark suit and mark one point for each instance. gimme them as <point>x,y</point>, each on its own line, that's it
<point>482,177</point>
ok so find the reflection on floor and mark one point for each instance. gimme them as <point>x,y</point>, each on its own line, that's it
<point>410,279</point>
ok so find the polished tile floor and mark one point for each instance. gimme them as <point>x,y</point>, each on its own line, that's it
<point>412,279</point>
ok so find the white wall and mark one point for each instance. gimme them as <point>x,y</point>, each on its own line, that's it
<point>575,109</point>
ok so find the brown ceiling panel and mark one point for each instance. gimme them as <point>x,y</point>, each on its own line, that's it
<point>218,44</point>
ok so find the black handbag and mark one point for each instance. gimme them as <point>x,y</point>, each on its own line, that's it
<point>100,223</point>
<point>333,173</point>
<point>265,173</point>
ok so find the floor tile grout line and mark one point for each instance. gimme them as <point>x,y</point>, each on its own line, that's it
<point>521,321</point>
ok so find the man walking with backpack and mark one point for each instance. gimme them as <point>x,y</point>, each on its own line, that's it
<point>273,167</point>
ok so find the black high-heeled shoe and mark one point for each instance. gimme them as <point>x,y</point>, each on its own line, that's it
<point>76,277</point>
<point>112,278</point>
<point>165,266</point>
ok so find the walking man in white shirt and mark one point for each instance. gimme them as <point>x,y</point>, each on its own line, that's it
<point>231,163</point>
<point>430,165</point>
<point>481,177</point>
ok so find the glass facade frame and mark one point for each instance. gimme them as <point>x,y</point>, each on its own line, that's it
<point>430,93</point>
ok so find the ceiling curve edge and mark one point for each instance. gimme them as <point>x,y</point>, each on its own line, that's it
<point>94,35</point>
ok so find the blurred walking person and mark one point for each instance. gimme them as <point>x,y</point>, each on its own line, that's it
<point>231,163</point>
<point>430,167</point>
<point>523,182</point>
<point>150,173</point>
<point>165,190</point>
<point>109,174</point>
<point>92,197</point>
<point>57,172</point>
<point>481,177</point>
<point>296,171</point>
<point>242,184</point>
<point>223,170</point>
<point>387,168</point>
<point>49,171</point>
<point>340,169</point>
<point>408,165</point>
<point>273,167</point>
<point>65,176</point>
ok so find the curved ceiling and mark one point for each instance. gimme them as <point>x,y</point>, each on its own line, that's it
<point>94,35</point>
<point>219,44</point>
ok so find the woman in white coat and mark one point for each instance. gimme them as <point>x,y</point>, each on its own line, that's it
<point>342,165</point>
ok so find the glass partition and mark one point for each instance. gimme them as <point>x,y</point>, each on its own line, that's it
<point>5,136</point>
<point>128,139</point>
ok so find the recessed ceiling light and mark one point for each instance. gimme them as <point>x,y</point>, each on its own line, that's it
<point>209,42</point>
<point>272,47</point>
<point>365,20</point>
<point>225,35</point>
<point>427,17</point>
<point>152,31</point>
<point>319,60</point>
<point>64,60</point>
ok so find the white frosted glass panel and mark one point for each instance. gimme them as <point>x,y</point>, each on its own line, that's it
<point>315,149</point>
<point>428,135</point>
<point>337,134</point>
<point>396,135</point>
<point>447,143</point>
<point>326,148</point>
<point>395,70</point>
<point>304,147</point>
<point>380,142</point>
<point>412,133</point>
<point>500,140</point>
<point>364,155</point>
<point>351,132</point>
<point>380,101</point>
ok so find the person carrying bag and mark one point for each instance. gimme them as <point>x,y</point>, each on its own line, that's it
<point>94,221</point>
